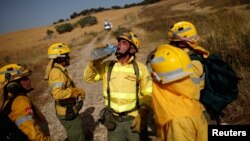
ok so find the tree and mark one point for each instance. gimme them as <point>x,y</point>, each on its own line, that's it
<point>67,27</point>
<point>49,32</point>
<point>74,15</point>
<point>87,21</point>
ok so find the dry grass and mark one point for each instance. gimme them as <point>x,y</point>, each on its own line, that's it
<point>14,44</point>
<point>224,30</point>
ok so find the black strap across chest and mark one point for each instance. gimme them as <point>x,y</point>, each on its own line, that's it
<point>136,69</point>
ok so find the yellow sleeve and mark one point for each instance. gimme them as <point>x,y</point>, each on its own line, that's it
<point>145,85</point>
<point>198,67</point>
<point>23,116</point>
<point>199,72</point>
<point>92,72</point>
<point>58,85</point>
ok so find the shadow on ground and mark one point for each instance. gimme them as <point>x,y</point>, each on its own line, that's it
<point>89,123</point>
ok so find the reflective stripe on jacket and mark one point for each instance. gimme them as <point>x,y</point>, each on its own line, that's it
<point>60,86</point>
<point>27,121</point>
<point>198,77</point>
<point>122,84</point>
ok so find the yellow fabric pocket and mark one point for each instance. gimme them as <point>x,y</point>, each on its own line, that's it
<point>131,77</point>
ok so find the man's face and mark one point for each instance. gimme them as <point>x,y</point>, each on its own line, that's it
<point>123,46</point>
<point>25,83</point>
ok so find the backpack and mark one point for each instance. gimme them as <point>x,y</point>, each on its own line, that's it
<point>221,85</point>
<point>9,130</point>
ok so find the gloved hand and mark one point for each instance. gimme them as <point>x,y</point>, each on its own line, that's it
<point>78,92</point>
<point>78,106</point>
<point>147,101</point>
<point>140,121</point>
<point>95,64</point>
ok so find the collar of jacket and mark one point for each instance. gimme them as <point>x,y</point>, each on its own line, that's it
<point>60,66</point>
<point>129,61</point>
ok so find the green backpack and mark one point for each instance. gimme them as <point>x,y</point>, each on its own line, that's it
<point>221,85</point>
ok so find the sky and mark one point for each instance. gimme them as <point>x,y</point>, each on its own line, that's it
<point>24,14</point>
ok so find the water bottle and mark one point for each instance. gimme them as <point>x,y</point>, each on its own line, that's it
<point>98,53</point>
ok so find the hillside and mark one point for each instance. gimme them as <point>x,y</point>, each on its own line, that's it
<point>224,28</point>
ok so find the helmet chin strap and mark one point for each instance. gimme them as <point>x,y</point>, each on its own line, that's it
<point>67,62</point>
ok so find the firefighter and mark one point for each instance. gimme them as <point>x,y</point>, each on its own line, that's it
<point>178,114</point>
<point>183,35</point>
<point>68,98</point>
<point>126,93</point>
<point>26,121</point>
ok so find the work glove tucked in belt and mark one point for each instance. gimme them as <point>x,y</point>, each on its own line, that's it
<point>140,121</point>
<point>79,104</point>
<point>78,92</point>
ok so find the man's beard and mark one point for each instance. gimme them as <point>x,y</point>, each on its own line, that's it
<point>121,55</point>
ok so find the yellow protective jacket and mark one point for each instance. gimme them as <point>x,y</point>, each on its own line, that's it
<point>29,119</point>
<point>122,84</point>
<point>61,86</point>
<point>175,100</point>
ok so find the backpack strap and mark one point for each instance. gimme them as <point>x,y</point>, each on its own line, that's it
<point>137,73</point>
<point>3,96</point>
<point>136,69</point>
<point>111,65</point>
<point>11,131</point>
<point>196,56</point>
<point>7,108</point>
<point>71,82</point>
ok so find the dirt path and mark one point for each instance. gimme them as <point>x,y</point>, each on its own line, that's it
<point>94,100</point>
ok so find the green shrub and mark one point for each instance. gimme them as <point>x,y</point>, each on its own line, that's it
<point>148,2</point>
<point>49,32</point>
<point>67,27</point>
<point>248,6</point>
<point>87,21</point>
<point>116,7</point>
<point>74,15</point>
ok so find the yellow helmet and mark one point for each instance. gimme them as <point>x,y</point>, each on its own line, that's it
<point>58,50</point>
<point>183,31</point>
<point>13,72</point>
<point>131,37</point>
<point>169,63</point>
